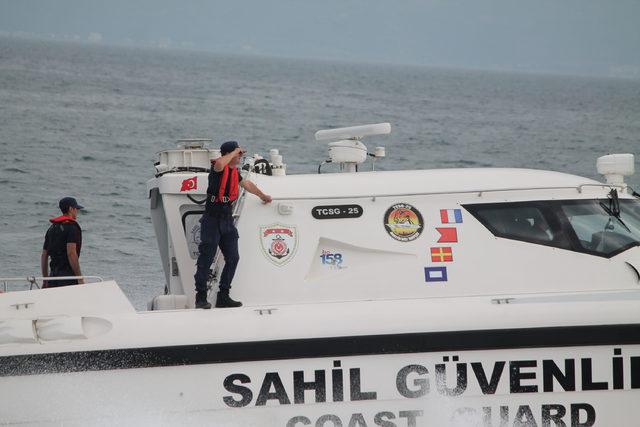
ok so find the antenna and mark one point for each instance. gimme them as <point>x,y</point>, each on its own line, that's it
<point>353,132</point>
<point>615,167</point>
<point>347,148</point>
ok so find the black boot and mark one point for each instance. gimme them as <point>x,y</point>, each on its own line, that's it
<point>201,301</point>
<point>225,301</point>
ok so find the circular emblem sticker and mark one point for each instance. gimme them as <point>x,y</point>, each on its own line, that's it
<point>403,222</point>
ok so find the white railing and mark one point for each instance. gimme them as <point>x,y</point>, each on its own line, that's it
<point>480,193</point>
<point>33,281</point>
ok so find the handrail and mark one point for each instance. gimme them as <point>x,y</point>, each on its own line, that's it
<point>578,188</point>
<point>33,280</point>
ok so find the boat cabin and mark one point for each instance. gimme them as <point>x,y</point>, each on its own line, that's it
<point>376,235</point>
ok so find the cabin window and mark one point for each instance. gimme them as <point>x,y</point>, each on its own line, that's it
<point>599,231</point>
<point>590,226</point>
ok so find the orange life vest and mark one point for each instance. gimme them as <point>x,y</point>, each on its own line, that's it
<point>228,191</point>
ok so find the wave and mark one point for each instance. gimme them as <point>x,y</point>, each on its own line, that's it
<point>15,170</point>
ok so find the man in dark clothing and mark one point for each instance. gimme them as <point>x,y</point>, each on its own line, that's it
<point>62,244</point>
<point>217,227</point>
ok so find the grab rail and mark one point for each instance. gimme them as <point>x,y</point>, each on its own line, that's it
<point>33,280</point>
<point>480,193</point>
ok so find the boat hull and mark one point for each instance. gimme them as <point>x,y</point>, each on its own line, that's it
<point>579,385</point>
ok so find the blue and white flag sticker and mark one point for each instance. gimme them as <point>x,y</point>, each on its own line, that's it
<point>435,274</point>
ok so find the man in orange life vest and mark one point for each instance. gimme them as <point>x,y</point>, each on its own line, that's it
<point>216,225</point>
<point>62,244</point>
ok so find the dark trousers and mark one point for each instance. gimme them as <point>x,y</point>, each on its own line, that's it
<point>217,231</point>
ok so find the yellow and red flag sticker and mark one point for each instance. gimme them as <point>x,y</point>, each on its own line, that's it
<point>444,254</point>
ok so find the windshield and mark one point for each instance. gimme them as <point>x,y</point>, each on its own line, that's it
<point>601,232</point>
<point>598,227</point>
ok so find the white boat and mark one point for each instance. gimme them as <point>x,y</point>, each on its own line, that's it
<point>450,297</point>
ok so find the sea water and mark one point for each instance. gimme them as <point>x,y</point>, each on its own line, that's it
<point>86,121</point>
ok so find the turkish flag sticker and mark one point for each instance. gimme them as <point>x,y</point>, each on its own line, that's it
<point>189,184</point>
<point>447,235</point>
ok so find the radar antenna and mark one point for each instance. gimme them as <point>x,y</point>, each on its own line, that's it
<point>347,148</point>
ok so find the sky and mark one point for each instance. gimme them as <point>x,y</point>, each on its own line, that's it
<point>593,37</point>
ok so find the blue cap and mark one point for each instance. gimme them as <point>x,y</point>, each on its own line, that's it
<point>228,147</point>
<point>68,202</point>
